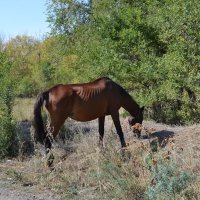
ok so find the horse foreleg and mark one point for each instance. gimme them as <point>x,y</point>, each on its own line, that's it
<point>101,130</point>
<point>115,118</point>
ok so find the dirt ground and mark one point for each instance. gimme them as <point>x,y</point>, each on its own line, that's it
<point>182,137</point>
<point>6,193</point>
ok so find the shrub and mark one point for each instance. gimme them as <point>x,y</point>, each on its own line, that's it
<point>119,175</point>
<point>7,128</point>
<point>167,180</point>
<point>7,95</point>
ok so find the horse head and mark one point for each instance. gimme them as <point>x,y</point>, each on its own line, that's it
<point>135,122</point>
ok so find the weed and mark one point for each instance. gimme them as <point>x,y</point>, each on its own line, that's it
<point>14,175</point>
<point>168,181</point>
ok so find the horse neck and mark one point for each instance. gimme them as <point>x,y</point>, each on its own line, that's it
<point>129,104</point>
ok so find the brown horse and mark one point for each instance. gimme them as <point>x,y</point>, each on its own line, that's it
<point>85,102</point>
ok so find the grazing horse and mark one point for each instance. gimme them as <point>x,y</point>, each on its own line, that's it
<point>85,102</point>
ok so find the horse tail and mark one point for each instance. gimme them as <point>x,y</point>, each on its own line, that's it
<point>39,133</point>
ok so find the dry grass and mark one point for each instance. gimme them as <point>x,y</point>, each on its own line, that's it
<point>23,109</point>
<point>79,174</point>
<point>83,171</point>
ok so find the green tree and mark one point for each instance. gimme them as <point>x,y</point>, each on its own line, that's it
<point>151,47</point>
<point>24,54</point>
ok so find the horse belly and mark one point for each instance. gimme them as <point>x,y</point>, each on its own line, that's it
<point>88,112</point>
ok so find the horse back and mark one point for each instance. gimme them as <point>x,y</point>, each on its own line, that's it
<point>88,91</point>
<point>86,101</point>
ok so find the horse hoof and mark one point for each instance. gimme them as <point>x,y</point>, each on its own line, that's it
<point>125,155</point>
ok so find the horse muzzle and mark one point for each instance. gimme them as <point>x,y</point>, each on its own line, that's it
<point>137,129</point>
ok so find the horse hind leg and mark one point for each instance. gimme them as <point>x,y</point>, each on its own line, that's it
<point>55,124</point>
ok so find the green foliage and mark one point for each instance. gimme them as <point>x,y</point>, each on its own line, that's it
<point>150,47</point>
<point>168,182</point>
<point>27,87</point>
<point>67,15</point>
<point>7,88</point>
<point>48,71</point>
<point>7,137</point>
<point>24,54</point>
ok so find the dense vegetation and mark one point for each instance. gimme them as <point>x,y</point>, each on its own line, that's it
<point>151,47</point>
<point>7,94</point>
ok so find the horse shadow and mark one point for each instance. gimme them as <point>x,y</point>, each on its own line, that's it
<point>161,137</point>
<point>70,130</point>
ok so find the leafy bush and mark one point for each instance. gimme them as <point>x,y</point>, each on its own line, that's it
<point>7,137</point>
<point>7,95</point>
<point>168,182</point>
<point>48,71</point>
<point>27,87</point>
<point>148,47</point>
<point>119,174</point>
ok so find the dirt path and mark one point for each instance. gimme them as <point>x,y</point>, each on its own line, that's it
<point>7,193</point>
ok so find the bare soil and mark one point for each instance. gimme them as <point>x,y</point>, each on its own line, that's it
<point>8,193</point>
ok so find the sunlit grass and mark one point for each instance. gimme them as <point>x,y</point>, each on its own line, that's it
<point>23,109</point>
